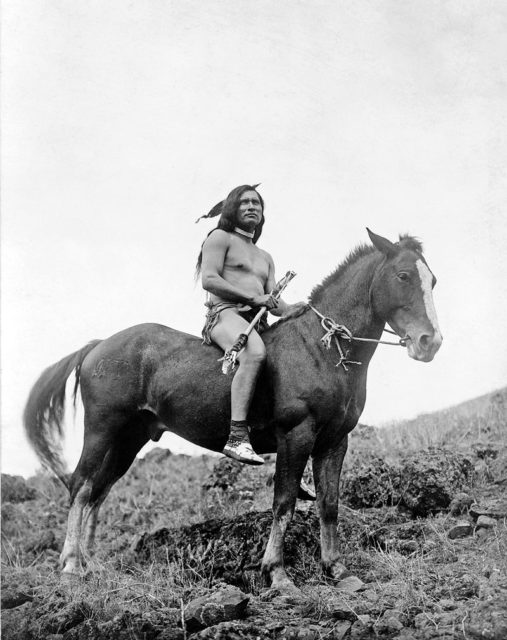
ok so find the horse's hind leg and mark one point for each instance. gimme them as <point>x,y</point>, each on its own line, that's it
<point>292,456</point>
<point>106,457</point>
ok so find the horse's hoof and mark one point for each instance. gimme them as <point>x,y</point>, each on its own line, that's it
<point>285,593</point>
<point>70,578</point>
<point>305,492</point>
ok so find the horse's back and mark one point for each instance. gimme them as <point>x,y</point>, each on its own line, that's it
<point>123,365</point>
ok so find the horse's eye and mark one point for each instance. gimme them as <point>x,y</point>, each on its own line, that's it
<point>404,277</point>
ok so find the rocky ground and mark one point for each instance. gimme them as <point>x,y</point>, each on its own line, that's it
<point>423,534</point>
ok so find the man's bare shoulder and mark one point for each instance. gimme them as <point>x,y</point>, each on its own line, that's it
<point>266,255</point>
<point>217,239</point>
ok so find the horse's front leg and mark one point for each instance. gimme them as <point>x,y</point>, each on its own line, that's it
<point>327,466</point>
<point>293,451</point>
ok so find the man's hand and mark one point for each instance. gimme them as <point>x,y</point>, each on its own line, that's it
<point>266,300</point>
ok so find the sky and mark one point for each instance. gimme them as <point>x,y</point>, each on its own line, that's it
<point>123,122</point>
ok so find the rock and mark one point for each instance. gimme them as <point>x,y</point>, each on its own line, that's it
<point>231,631</point>
<point>485,522</point>
<point>15,489</point>
<point>226,604</point>
<point>16,622</point>
<point>64,618</point>
<point>224,475</point>
<point>425,482</point>
<point>430,479</point>
<point>460,504</point>
<point>341,630</point>
<point>12,598</point>
<point>238,481</point>
<point>340,610</point>
<point>460,530</point>
<point>496,509</point>
<point>350,584</point>
<point>405,538</point>
<point>231,549</point>
<point>392,620</point>
<point>371,482</point>
<point>360,630</point>
<point>476,510</point>
<point>159,625</point>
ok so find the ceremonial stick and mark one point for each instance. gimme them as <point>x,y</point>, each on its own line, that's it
<point>230,356</point>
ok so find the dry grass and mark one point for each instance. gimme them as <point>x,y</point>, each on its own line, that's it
<point>170,494</point>
<point>483,419</point>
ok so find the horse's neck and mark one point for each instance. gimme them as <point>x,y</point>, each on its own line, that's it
<point>347,298</point>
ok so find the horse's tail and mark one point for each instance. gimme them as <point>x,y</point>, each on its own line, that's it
<point>45,408</point>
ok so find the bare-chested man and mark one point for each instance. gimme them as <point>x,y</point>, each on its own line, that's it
<point>238,277</point>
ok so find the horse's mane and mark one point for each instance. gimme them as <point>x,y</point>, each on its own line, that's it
<point>405,242</point>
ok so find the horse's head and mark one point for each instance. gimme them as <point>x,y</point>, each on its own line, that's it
<point>401,295</point>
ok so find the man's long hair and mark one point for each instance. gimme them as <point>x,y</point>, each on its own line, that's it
<point>229,218</point>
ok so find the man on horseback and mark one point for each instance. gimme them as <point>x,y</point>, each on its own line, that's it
<point>239,277</point>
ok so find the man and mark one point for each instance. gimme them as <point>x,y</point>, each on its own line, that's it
<point>239,277</point>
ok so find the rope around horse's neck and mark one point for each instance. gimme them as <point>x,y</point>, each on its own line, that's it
<point>337,331</point>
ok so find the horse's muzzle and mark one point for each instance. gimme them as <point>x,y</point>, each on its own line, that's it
<point>423,347</point>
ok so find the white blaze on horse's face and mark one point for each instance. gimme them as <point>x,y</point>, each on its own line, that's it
<point>427,289</point>
<point>423,332</point>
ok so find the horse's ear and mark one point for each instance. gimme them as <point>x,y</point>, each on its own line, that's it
<point>384,245</point>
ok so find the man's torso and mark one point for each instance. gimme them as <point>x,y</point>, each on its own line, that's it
<point>245,266</point>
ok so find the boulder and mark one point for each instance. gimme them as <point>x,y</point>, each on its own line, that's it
<point>12,598</point>
<point>461,529</point>
<point>370,482</point>
<point>492,509</point>
<point>423,482</point>
<point>485,522</point>
<point>231,549</point>
<point>224,605</point>
<point>16,622</point>
<point>224,475</point>
<point>430,479</point>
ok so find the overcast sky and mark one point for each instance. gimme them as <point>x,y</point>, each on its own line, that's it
<point>125,121</point>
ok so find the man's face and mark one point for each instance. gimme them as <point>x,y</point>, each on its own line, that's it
<point>249,210</point>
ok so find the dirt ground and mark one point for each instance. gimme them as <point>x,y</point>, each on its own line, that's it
<point>423,534</point>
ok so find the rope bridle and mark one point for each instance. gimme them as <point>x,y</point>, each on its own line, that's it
<point>336,331</point>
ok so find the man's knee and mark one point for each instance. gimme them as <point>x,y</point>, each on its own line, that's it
<point>255,354</point>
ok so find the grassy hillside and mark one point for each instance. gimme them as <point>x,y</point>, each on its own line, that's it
<point>419,582</point>
<point>481,419</point>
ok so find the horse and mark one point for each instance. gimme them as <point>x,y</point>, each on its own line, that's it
<point>150,378</point>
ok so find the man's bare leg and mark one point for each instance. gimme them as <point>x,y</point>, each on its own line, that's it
<point>225,333</point>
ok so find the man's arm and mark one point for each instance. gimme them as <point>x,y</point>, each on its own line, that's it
<point>214,252</point>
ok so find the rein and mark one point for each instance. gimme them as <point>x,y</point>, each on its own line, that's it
<point>337,331</point>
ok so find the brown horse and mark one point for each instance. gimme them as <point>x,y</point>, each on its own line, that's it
<point>150,378</point>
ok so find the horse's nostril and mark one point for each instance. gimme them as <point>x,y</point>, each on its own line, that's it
<point>424,341</point>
